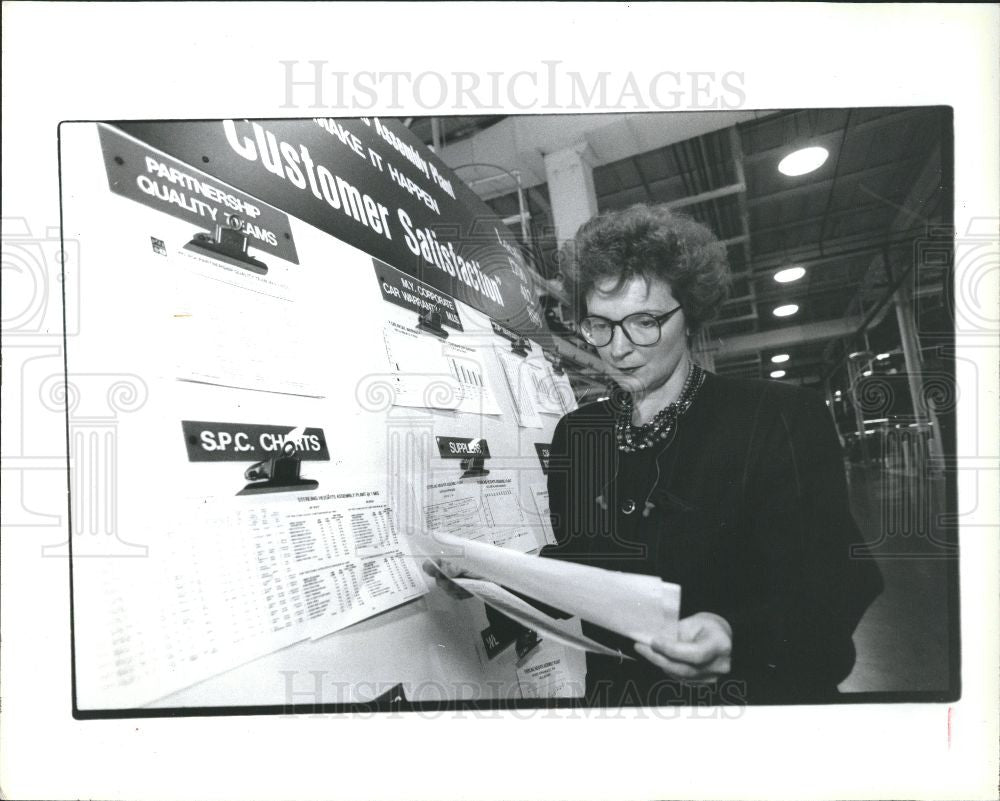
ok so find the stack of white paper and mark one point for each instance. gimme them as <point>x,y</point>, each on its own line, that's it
<point>635,606</point>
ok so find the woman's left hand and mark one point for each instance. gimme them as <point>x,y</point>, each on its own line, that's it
<point>700,653</point>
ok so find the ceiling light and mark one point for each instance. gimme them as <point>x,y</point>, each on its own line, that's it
<point>777,374</point>
<point>803,161</point>
<point>882,356</point>
<point>866,373</point>
<point>785,311</point>
<point>837,394</point>
<point>789,274</point>
<point>855,354</point>
<point>778,358</point>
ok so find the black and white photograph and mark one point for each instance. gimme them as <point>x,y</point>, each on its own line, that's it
<point>700,363</point>
<point>564,408</point>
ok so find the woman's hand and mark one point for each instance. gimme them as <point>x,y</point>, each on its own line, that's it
<point>443,572</point>
<point>701,652</point>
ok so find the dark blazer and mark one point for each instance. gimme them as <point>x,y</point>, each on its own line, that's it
<point>747,511</point>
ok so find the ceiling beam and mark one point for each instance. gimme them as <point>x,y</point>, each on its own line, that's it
<point>793,293</point>
<point>815,186</point>
<point>642,178</point>
<point>704,197</point>
<point>735,240</point>
<point>539,198</point>
<point>833,215</point>
<point>878,122</point>
<point>725,320</point>
<point>827,216</point>
<point>810,255</point>
<point>736,151</point>
<point>787,336</point>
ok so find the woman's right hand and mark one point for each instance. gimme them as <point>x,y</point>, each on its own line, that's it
<point>443,572</point>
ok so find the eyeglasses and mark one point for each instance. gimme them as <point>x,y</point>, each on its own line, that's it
<point>641,328</point>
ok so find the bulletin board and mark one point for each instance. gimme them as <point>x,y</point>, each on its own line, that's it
<point>317,342</point>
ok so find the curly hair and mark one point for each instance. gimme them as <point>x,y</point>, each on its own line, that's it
<point>651,242</point>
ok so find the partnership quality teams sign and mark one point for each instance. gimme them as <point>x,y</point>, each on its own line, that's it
<point>374,185</point>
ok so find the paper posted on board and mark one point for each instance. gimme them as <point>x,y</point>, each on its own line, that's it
<point>429,372</point>
<point>232,579</point>
<point>486,509</point>
<point>214,306</point>
<point>540,495</point>
<point>520,377</point>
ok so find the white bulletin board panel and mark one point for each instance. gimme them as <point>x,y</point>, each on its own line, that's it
<point>194,339</point>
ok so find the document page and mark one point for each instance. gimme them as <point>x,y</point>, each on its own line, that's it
<point>544,673</point>
<point>562,389</point>
<point>196,606</point>
<point>540,495</point>
<point>521,378</point>
<point>433,373</point>
<point>486,509</point>
<point>331,560</point>
<point>233,579</point>
<point>222,324</point>
<point>548,392</point>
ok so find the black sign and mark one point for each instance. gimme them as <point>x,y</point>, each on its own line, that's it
<point>244,442</point>
<point>508,333</point>
<point>544,450</point>
<point>375,185</point>
<point>462,447</point>
<point>163,183</point>
<point>408,292</point>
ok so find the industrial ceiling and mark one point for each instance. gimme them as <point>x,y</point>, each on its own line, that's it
<point>858,224</point>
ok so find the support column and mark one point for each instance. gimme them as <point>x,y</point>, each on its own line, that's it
<point>853,378</point>
<point>831,404</point>
<point>570,175</point>
<point>923,407</point>
<point>703,350</point>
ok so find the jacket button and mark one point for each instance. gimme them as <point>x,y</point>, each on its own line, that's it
<point>628,506</point>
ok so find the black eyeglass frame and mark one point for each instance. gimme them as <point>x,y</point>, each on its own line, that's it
<point>659,318</point>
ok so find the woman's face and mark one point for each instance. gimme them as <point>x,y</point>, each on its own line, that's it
<point>641,368</point>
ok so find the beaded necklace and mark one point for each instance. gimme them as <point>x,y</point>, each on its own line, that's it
<point>632,438</point>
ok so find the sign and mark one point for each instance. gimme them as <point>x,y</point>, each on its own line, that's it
<point>408,292</point>
<point>544,451</point>
<point>156,180</point>
<point>507,333</point>
<point>245,442</point>
<point>373,184</point>
<point>462,447</point>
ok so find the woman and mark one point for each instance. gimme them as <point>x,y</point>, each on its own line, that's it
<point>734,489</point>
